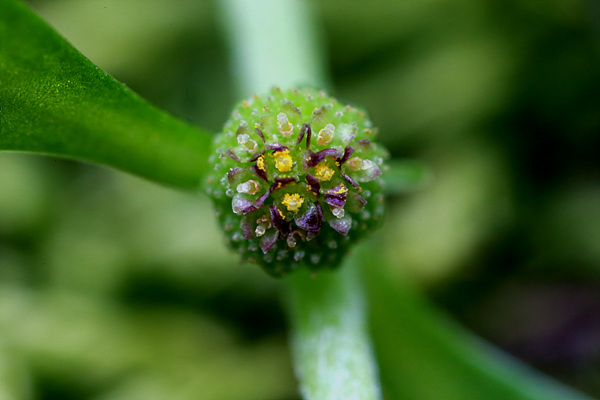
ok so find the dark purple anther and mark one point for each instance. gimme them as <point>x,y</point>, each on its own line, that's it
<point>268,240</point>
<point>241,204</point>
<point>281,182</point>
<point>231,175</point>
<point>301,134</point>
<point>314,183</point>
<point>316,158</point>
<point>335,201</point>
<point>341,225</point>
<point>351,181</point>
<point>278,221</point>
<point>258,203</point>
<point>232,155</point>
<point>259,133</point>
<point>336,196</point>
<point>308,160</point>
<point>259,172</point>
<point>257,156</point>
<point>276,147</point>
<point>348,151</point>
<point>311,220</point>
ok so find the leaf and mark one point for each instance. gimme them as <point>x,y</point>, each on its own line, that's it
<point>423,355</point>
<point>55,101</point>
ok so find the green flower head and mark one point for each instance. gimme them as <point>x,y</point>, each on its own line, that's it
<point>296,179</point>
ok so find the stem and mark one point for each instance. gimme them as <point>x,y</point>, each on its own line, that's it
<point>273,43</point>
<point>332,350</point>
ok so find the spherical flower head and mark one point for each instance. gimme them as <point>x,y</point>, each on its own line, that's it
<point>296,179</point>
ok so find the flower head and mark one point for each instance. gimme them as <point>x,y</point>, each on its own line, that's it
<point>296,179</point>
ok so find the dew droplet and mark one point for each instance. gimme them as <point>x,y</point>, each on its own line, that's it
<point>260,230</point>
<point>250,187</point>
<point>238,204</point>
<point>366,164</point>
<point>338,212</point>
<point>326,134</point>
<point>284,125</point>
<point>291,241</point>
<point>249,144</point>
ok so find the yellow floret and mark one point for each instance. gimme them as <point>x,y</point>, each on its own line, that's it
<point>283,160</point>
<point>323,172</point>
<point>260,163</point>
<point>343,189</point>
<point>292,202</point>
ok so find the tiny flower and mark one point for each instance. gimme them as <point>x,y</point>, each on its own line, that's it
<point>296,180</point>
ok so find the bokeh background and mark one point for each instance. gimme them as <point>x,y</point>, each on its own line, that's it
<point>115,288</point>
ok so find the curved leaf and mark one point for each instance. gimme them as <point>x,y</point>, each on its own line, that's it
<point>55,101</point>
<point>425,356</point>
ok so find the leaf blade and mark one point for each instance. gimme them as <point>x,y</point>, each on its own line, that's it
<point>55,101</point>
<point>424,355</point>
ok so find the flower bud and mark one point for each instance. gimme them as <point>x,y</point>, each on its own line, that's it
<point>296,179</point>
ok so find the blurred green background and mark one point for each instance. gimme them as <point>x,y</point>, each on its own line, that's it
<point>114,288</point>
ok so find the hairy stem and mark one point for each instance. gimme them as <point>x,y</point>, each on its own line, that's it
<point>332,351</point>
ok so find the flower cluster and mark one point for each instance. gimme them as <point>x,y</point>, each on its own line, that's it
<point>296,179</point>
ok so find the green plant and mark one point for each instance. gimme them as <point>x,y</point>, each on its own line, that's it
<point>54,101</point>
<point>296,182</point>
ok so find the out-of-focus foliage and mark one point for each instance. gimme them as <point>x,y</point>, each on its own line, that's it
<point>113,288</point>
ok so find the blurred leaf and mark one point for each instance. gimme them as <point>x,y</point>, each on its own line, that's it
<point>424,356</point>
<point>55,101</point>
<point>99,346</point>
<point>14,379</point>
<point>406,175</point>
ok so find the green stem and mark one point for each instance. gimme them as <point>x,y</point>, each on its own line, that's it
<point>332,350</point>
<point>273,43</point>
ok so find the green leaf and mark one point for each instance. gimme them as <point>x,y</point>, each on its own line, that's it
<point>55,101</point>
<point>423,355</point>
